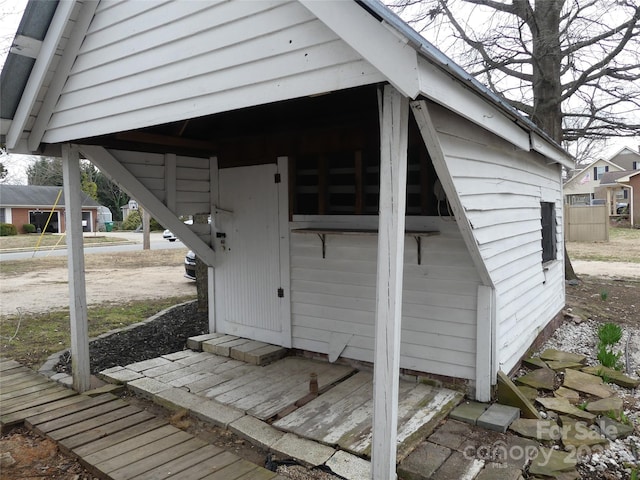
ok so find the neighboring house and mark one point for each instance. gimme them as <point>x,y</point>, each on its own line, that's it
<point>583,186</point>
<point>291,124</point>
<point>630,181</point>
<point>43,207</point>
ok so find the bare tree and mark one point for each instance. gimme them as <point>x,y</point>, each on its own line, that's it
<point>572,66</point>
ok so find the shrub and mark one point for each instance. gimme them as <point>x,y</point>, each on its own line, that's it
<point>7,229</point>
<point>609,358</point>
<point>609,333</point>
<point>29,228</point>
<point>134,220</point>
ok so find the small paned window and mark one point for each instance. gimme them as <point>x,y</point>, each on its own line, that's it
<point>548,211</point>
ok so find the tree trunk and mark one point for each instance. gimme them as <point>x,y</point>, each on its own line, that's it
<point>202,271</point>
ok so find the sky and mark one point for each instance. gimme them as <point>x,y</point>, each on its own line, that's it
<point>10,15</point>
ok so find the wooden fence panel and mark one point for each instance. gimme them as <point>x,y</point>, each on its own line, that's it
<point>586,223</point>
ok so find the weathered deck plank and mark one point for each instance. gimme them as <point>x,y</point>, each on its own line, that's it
<point>179,465</point>
<point>93,422</point>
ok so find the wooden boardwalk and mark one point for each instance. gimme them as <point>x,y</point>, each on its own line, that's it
<point>111,438</point>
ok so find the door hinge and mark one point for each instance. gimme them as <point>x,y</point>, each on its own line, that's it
<point>277,178</point>
<point>281,293</point>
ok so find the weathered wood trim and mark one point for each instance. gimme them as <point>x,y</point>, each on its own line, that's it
<point>80,362</point>
<point>39,71</point>
<point>431,141</point>
<point>393,185</point>
<point>386,51</point>
<point>62,72</point>
<point>285,255</point>
<point>485,326</point>
<point>107,163</point>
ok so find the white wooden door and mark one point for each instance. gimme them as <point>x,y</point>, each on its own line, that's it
<point>252,294</point>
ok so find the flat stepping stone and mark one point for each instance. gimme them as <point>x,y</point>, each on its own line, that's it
<point>578,434</point>
<point>535,363</point>
<point>613,429</point>
<point>509,394</point>
<point>195,343</point>
<point>562,366</point>
<point>583,382</point>
<point>551,354</point>
<point>541,430</point>
<point>468,412</point>
<point>498,417</point>
<point>542,379</point>
<point>423,461</point>
<point>571,395</point>
<point>562,405</point>
<point>612,375</point>
<point>551,462</point>
<point>605,406</point>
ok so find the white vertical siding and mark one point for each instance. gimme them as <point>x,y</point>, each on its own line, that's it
<point>145,63</point>
<point>501,190</point>
<point>337,294</point>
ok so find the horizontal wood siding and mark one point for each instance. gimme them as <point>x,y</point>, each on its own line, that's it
<point>191,179</point>
<point>147,63</point>
<point>337,294</point>
<point>501,190</point>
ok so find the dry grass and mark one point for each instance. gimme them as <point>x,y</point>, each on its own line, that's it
<point>33,240</point>
<point>623,246</point>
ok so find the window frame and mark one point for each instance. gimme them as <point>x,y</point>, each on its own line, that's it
<point>548,232</point>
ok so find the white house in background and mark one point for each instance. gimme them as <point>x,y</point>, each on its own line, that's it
<point>582,187</point>
<point>291,123</point>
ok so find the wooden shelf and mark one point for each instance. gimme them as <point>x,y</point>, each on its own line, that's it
<point>323,232</point>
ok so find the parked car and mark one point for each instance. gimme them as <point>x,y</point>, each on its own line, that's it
<point>622,208</point>
<point>190,265</point>
<point>168,234</point>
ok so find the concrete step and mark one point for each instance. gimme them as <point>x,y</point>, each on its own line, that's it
<point>249,351</point>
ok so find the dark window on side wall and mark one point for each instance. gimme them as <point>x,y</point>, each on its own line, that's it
<point>548,210</point>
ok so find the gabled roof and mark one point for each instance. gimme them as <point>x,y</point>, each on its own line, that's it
<point>609,178</point>
<point>418,70</point>
<point>36,196</point>
<point>588,167</point>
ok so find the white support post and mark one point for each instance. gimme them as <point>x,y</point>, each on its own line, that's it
<point>393,184</point>
<point>214,189</point>
<point>75,261</point>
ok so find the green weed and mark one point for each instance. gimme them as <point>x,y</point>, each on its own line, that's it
<point>609,333</point>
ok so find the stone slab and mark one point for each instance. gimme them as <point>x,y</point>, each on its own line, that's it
<point>499,471</point>
<point>147,364</point>
<point>571,395</point>
<point>238,352</point>
<point>562,405</point>
<point>458,466</point>
<point>119,375</point>
<point>147,387</point>
<point>529,393</point>
<point>256,431</point>
<point>451,434</point>
<point>210,345</point>
<point>576,434</point>
<point>534,363</point>
<point>614,376</point>
<point>562,366</point>
<point>550,462</point>
<point>498,417</point>
<point>509,394</point>
<point>551,354</point>
<point>217,413</point>
<point>195,343</point>
<point>224,349</point>
<point>265,355</point>
<point>542,430</point>
<point>307,452</point>
<point>543,379</point>
<point>177,399</point>
<point>468,412</point>
<point>349,466</point>
<point>613,429</point>
<point>606,405</point>
<point>423,461</point>
<point>586,383</point>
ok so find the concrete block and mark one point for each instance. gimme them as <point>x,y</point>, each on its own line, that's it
<point>452,434</point>
<point>265,355</point>
<point>305,451</point>
<point>349,466</point>
<point>256,431</point>
<point>214,412</point>
<point>468,412</point>
<point>193,359</point>
<point>147,364</point>
<point>146,387</point>
<point>224,348</point>
<point>210,345</point>
<point>119,375</point>
<point>458,466</point>
<point>178,355</point>
<point>423,461</point>
<point>239,351</point>
<point>195,343</point>
<point>498,417</point>
<point>177,399</point>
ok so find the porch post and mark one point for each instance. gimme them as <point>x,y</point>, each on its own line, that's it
<point>394,115</point>
<point>75,261</point>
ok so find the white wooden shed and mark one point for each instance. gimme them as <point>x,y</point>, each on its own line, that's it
<point>307,129</point>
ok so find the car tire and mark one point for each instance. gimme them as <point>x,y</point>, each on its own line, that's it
<point>172,239</point>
